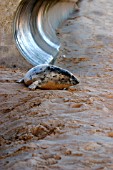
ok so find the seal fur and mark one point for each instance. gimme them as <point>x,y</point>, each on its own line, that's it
<point>48,77</point>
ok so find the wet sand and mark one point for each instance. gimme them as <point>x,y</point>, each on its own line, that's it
<point>64,129</point>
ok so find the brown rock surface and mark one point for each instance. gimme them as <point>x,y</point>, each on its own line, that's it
<point>64,130</point>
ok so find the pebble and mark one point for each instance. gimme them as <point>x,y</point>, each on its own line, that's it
<point>110,134</point>
<point>92,146</point>
<point>51,161</point>
<point>57,157</point>
<point>68,152</point>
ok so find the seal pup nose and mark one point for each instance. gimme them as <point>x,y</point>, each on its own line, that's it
<point>74,80</point>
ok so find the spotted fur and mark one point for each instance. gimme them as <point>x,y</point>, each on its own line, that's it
<point>48,77</point>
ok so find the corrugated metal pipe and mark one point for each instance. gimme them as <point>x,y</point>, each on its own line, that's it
<point>35,25</point>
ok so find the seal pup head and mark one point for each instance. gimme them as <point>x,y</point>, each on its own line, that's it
<point>58,78</point>
<point>49,77</point>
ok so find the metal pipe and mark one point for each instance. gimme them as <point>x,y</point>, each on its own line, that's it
<point>35,25</point>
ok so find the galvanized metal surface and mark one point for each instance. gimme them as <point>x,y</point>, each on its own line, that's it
<point>35,25</point>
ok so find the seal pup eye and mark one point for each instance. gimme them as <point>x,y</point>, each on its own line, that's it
<point>54,75</point>
<point>49,68</point>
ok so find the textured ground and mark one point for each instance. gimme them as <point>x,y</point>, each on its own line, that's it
<point>64,130</point>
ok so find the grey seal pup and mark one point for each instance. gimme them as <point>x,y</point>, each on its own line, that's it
<point>48,77</point>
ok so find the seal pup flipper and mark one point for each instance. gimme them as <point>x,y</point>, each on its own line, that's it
<point>34,85</point>
<point>20,80</point>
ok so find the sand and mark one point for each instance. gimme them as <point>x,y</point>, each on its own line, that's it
<point>64,129</point>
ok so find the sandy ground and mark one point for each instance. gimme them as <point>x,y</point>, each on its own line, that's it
<point>65,129</point>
